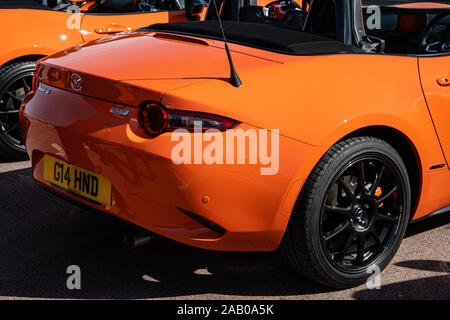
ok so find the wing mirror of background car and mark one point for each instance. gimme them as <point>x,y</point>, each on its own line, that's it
<point>194,8</point>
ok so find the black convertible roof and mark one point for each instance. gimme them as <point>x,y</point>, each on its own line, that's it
<point>258,35</point>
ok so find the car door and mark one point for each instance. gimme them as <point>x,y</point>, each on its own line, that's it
<point>99,24</point>
<point>435,77</point>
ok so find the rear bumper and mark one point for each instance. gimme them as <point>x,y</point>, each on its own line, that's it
<point>149,190</point>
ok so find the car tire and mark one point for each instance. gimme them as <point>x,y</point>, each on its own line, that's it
<point>326,215</point>
<point>15,83</point>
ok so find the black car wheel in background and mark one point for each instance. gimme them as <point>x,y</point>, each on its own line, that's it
<point>15,82</point>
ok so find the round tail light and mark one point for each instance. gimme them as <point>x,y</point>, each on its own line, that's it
<point>153,118</point>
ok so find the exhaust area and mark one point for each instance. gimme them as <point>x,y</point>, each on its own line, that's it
<point>133,238</point>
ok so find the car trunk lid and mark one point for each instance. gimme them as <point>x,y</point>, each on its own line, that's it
<point>120,71</point>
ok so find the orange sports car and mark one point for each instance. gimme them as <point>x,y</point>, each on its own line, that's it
<point>321,129</point>
<point>33,29</point>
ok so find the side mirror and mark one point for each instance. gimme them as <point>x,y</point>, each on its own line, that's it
<point>194,8</point>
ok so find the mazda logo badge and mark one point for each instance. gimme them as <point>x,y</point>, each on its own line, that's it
<point>76,82</point>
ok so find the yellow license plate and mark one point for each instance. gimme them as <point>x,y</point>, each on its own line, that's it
<point>80,181</point>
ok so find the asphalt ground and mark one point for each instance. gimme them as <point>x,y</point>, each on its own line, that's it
<point>41,235</point>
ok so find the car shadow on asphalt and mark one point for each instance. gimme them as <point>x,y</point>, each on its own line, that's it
<point>429,288</point>
<point>41,236</point>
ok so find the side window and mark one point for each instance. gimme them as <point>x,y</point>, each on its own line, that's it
<point>157,5</point>
<point>115,6</point>
<point>409,27</point>
<point>181,4</point>
<point>436,37</point>
<point>322,19</point>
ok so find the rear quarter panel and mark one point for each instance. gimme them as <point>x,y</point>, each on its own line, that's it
<point>34,32</point>
<point>320,99</point>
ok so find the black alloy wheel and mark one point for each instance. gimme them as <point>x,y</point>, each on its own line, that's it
<point>351,215</point>
<point>361,213</point>
<point>15,83</point>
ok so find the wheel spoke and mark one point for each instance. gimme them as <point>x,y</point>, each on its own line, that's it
<point>377,180</point>
<point>347,190</point>
<point>27,87</point>
<point>374,235</point>
<point>362,177</point>
<point>360,249</point>
<point>346,247</point>
<point>330,235</point>
<point>12,128</point>
<point>13,96</point>
<point>386,195</point>
<point>384,217</point>
<point>340,210</point>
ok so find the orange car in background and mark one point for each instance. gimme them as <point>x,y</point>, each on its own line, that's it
<point>33,29</point>
<point>351,125</point>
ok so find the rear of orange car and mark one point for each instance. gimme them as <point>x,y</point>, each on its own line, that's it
<point>85,142</point>
<point>101,128</point>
